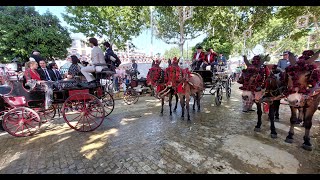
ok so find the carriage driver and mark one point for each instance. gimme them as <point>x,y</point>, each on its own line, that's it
<point>198,58</point>
<point>98,62</point>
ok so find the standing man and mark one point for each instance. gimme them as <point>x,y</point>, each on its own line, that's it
<point>284,62</point>
<point>134,64</point>
<point>35,56</point>
<point>198,58</point>
<point>97,59</point>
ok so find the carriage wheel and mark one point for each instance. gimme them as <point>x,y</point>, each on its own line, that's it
<point>83,112</point>
<point>218,98</point>
<point>108,103</point>
<point>47,114</point>
<point>21,122</point>
<point>131,96</point>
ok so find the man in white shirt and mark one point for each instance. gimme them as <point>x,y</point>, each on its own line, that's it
<point>97,59</point>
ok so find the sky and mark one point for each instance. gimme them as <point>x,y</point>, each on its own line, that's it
<point>142,42</point>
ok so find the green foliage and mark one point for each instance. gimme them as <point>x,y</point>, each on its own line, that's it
<point>219,45</point>
<point>23,29</point>
<point>175,52</point>
<point>118,23</point>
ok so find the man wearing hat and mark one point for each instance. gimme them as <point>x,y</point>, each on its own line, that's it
<point>284,62</point>
<point>198,58</point>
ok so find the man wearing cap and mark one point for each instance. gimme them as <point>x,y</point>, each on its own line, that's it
<point>283,63</point>
<point>198,58</point>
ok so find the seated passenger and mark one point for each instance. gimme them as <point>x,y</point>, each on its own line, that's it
<point>55,70</point>
<point>45,73</point>
<point>75,68</point>
<point>31,71</point>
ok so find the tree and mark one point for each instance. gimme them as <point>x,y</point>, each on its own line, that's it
<point>175,52</point>
<point>23,29</point>
<point>118,23</point>
<point>168,23</point>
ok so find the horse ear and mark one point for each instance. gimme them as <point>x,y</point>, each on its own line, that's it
<point>313,58</point>
<point>292,59</point>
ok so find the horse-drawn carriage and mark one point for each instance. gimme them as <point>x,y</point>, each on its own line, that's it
<point>217,80</point>
<point>25,106</point>
<point>134,87</point>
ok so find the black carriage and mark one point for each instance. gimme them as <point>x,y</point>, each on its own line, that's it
<point>25,107</point>
<point>218,80</point>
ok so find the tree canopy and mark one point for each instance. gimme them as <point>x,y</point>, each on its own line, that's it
<point>118,23</point>
<point>22,29</point>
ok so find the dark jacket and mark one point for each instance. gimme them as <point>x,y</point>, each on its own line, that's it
<point>109,52</point>
<point>43,76</point>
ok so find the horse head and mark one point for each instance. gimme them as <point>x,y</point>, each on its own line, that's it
<point>302,78</point>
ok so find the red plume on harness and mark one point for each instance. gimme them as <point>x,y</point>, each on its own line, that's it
<point>301,66</point>
<point>154,75</point>
<point>256,60</point>
<point>175,60</point>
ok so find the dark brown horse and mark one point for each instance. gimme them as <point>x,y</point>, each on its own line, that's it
<point>273,92</point>
<point>303,92</point>
<point>155,78</point>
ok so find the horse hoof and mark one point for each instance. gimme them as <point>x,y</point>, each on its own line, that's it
<point>174,110</point>
<point>198,110</point>
<point>307,147</point>
<point>257,129</point>
<point>193,109</point>
<point>288,140</point>
<point>273,136</point>
<point>276,120</point>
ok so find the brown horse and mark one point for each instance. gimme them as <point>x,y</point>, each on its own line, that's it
<point>273,92</point>
<point>188,84</point>
<point>155,78</point>
<point>303,92</point>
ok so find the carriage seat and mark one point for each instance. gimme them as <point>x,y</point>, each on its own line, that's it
<point>15,101</point>
<point>104,73</point>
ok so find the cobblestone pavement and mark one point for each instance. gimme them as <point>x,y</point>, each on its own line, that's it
<point>136,139</point>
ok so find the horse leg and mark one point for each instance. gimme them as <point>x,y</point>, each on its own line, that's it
<point>187,105</point>
<point>259,113</point>
<point>307,126</point>
<point>293,119</point>
<point>300,116</point>
<point>162,104</point>
<point>272,111</point>
<point>276,110</point>
<point>181,97</point>
<point>198,100</point>
<point>170,99</point>
<point>194,102</point>
<point>175,107</point>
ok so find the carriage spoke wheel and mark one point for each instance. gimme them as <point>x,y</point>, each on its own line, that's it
<point>218,98</point>
<point>108,103</point>
<point>131,96</point>
<point>83,112</point>
<point>21,122</point>
<point>47,114</point>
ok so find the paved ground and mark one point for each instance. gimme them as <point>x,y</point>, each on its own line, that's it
<point>135,139</point>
